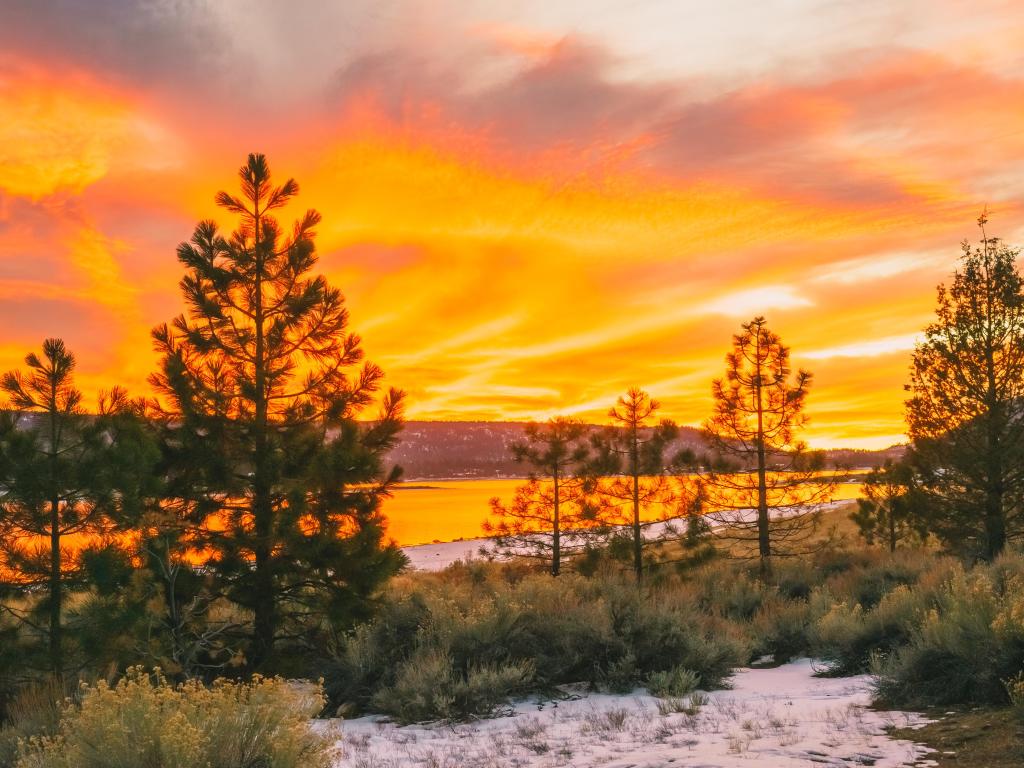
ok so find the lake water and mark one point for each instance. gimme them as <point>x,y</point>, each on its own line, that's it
<point>424,511</point>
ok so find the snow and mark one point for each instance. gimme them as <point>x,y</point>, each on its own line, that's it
<point>440,555</point>
<point>773,718</point>
<point>437,557</point>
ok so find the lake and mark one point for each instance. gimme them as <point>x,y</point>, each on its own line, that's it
<point>423,511</point>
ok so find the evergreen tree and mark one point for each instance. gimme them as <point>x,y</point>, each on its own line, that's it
<point>886,513</point>
<point>555,500</point>
<point>694,543</point>
<point>263,384</point>
<point>758,463</point>
<point>68,480</point>
<point>965,416</point>
<point>631,454</point>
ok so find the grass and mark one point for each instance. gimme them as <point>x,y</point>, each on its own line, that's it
<point>834,530</point>
<point>977,738</point>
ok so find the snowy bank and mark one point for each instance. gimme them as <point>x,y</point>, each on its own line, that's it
<point>774,718</point>
<point>439,555</point>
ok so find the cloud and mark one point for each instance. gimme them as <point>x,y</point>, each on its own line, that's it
<point>745,303</point>
<point>525,214</point>
<point>874,267</point>
<point>65,132</point>
<point>865,129</point>
<point>862,349</point>
<point>175,41</point>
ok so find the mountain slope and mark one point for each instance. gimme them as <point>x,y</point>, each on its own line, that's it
<point>454,449</point>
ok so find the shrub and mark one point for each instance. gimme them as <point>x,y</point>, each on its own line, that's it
<point>144,721</point>
<point>731,593</point>
<point>1015,692</point>
<point>848,637</point>
<point>567,628</point>
<point>780,628</point>
<point>459,643</point>
<point>867,582</point>
<point>672,683</point>
<point>796,580</point>
<point>33,711</point>
<point>966,647</point>
<point>458,633</point>
<point>428,687</point>
<point>621,675</point>
<point>369,656</point>
<point>662,632</point>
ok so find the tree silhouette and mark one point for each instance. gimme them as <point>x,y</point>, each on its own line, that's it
<point>67,480</point>
<point>965,414</point>
<point>758,463</point>
<point>631,453</point>
<point>263,383</point>
<point>554,502</point>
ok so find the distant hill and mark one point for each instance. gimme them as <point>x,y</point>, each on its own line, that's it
<point>480,449</point>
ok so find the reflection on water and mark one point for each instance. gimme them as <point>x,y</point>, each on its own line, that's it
<point>444,510</point>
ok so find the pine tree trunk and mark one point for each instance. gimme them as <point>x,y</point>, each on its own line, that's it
<point>556,535</point>
<point>764,547</point>
<point>56,630</point>
<point>638,549</point>
<point>995,521</point>
<point>264,612</point>
<point>56,597</point>
<point>264,619</point>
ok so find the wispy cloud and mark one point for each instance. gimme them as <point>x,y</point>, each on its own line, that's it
<point>865,349</point>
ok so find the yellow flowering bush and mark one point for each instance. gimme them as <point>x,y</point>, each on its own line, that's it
<point>145,722</point>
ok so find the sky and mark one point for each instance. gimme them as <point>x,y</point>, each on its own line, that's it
<point>529,205</point>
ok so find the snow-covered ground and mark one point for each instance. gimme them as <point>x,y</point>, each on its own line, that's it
<point>437,557</point>
<point>771,718</point>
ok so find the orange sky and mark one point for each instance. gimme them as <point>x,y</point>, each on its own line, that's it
<point>530,205</point>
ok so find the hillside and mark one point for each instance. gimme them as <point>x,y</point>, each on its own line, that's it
<point>480,449</point>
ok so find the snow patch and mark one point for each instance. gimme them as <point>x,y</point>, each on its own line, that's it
<point>775,718</point>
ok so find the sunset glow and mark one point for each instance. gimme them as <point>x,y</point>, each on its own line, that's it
<point>529,209</point>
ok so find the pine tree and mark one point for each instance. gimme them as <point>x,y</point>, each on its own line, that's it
<point>631,453</point>
<point>758,463</point>
<point>886,512</point>
<point>555,500</point>
<point>694,544</point>
<point>965,417</point>
<point>265,386</point>
<point>68,480</point>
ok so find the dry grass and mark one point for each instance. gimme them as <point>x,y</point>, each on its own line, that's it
<point>979,738</point>
<point>834,529</point>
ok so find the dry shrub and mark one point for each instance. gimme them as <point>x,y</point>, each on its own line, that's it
<point>145,721</point>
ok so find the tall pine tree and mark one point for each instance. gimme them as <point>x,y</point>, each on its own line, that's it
<point>68,480</point>
<point>263,383</point>
<point>887,512</point>
<point>965,412</point>
<point>555,500</point>
<point>758,462</point>
<point>631,453</point>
